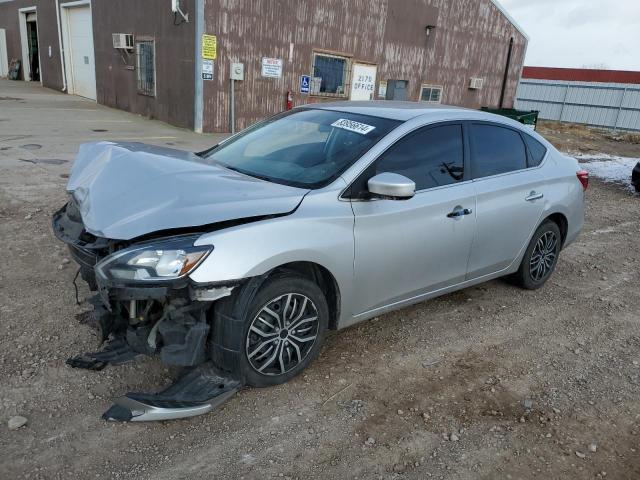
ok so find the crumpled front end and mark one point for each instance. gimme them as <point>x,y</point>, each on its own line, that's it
<point>137,314</point>
<point>167,317</point>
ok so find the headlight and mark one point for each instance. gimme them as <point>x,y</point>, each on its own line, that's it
<point>154,262</point>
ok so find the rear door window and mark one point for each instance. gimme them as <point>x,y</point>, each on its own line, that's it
<point>495,150</point>
<point>537,151</point>
<point>431,157</point>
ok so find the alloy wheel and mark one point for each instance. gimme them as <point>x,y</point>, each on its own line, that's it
<point>282,334</point>
<point>543,256</point>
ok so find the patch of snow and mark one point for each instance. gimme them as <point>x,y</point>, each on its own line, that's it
<point>609,168</point>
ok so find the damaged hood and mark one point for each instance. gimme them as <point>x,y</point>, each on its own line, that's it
<point>125,190</point>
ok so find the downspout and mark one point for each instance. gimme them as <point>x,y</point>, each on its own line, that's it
<point>198,106</point>
<point>62,65</point>
<point>506,74</point>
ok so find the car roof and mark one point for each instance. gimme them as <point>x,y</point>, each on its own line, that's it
<point>404,111</point>
<point>394,110</point>
<point>428,112</point>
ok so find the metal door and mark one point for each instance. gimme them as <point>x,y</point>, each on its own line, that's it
<point>80,37</point>
<point>397,90</point>
<point>4,59</point>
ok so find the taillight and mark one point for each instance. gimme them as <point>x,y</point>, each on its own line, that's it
<point>583,176</point>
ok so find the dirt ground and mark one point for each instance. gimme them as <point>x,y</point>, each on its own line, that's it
<point>486,383</point>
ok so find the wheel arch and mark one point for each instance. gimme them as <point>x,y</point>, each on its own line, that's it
<point>561,221</point>
<point>322,277</point>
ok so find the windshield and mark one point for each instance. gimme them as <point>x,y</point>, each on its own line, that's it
<point>304,148</point>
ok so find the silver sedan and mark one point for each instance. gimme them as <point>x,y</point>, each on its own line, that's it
<point>245,255</point>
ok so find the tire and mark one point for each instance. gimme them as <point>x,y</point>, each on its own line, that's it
<point>540,258</point>
<point>260,347</point>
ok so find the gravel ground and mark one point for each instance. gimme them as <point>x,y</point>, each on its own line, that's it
<point>489,382</point>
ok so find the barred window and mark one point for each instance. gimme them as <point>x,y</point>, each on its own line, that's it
<point>330,74</point>
<point>431,94</point>
<point>146,67</point>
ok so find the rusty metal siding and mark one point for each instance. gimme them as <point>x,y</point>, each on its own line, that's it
<point>50,67</point>
<point>116,81</point>
<point>471,40</point>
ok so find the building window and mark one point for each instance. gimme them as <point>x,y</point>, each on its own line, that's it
<point>146,67</point>
<point>330,74</point>
<point>431,94</point>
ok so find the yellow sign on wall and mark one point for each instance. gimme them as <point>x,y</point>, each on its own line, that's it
<point>209,47</point>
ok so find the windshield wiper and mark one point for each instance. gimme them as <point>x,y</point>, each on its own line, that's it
<point>249,174</point>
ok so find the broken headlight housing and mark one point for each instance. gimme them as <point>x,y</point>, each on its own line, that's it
<point>154,262</point>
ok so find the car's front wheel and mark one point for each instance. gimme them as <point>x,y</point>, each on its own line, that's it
<point>540,258</point>
<point>279,329</point>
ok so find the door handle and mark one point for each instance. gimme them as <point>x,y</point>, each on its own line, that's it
<point>533,196</point>
<point>460,212</point>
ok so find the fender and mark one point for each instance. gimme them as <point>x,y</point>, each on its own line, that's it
<point>319,231</point>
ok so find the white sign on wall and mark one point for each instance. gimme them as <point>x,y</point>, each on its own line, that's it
<point>363,82</point>
<point>382,89</point>
<point>207,69</point>
<point>271,67</point>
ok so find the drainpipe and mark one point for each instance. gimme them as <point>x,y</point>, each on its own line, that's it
<point>198,106</point>
<point>62,65</point>
<point>506,74</point>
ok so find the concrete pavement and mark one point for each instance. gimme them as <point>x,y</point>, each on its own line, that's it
<point>41,130</point>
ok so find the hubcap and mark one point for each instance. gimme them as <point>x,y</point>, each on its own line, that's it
<point>543,256</point>
<point>282,334</point>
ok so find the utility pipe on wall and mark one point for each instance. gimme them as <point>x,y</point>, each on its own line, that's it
<point>506,73</point>
<point>62,65</point>
<point>232,108</point>
<point>198,97</point>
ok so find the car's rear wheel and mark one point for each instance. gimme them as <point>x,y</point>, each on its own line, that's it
<point>282,329</point>
<point>540,258</point>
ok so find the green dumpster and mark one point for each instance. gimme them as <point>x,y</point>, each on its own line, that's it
<point>529,118</point>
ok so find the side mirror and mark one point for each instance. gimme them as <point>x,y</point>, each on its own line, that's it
<point>391,185</point>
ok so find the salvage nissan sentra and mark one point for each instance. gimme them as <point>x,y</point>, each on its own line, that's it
<point>236,261</point>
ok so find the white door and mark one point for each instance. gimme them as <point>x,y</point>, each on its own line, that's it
<point>80,44</point>
<point>363,82</point>
<point>4,60</point>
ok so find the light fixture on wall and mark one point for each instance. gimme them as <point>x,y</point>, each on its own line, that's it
<point>428,29</point>
<point>175,8</point>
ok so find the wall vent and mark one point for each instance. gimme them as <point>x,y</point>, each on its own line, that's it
<point>476,83</point>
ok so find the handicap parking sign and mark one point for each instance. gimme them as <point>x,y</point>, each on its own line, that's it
<point>305,83</point>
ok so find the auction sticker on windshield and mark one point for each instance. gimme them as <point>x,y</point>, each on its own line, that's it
<point>352,126</point>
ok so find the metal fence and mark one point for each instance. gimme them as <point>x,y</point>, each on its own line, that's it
<point>607,105</point>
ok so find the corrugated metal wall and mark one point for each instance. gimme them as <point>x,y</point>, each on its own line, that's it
<point>471,39</point>
<point>609,105</point>
<point>174,47</point>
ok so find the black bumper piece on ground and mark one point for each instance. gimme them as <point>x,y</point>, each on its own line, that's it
<point>115,352</point>
<point>198,391</point>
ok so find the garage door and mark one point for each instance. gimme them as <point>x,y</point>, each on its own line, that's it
<point>4,59</point>
<point>83,68</point>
